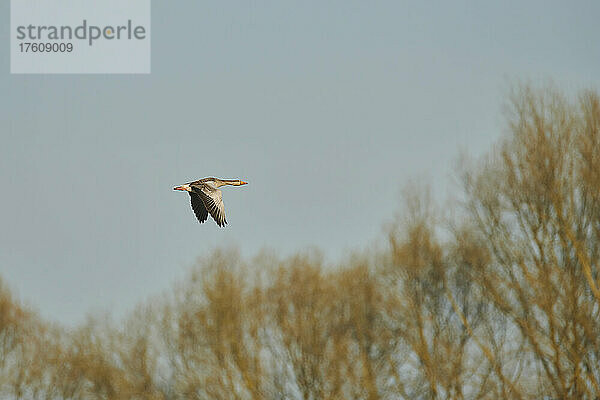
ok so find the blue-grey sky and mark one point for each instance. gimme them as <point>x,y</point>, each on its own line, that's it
<point>326,108</point>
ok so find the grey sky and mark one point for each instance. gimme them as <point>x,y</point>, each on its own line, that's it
<point>346,99</point>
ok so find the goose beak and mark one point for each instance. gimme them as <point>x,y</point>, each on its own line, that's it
<point>184,188</point>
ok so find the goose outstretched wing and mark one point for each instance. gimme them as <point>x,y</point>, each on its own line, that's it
<point>198,207</point>
<point>213,202</point>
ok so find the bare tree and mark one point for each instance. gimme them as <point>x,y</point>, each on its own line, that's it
<point>533,207</point>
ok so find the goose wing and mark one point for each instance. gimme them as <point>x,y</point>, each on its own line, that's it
<point>213,202</point>
<point>198,207</point>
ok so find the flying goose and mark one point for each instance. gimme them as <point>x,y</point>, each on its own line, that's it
<point>207,198</point>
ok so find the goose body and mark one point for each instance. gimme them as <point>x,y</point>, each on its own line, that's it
<point>206,198</point>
